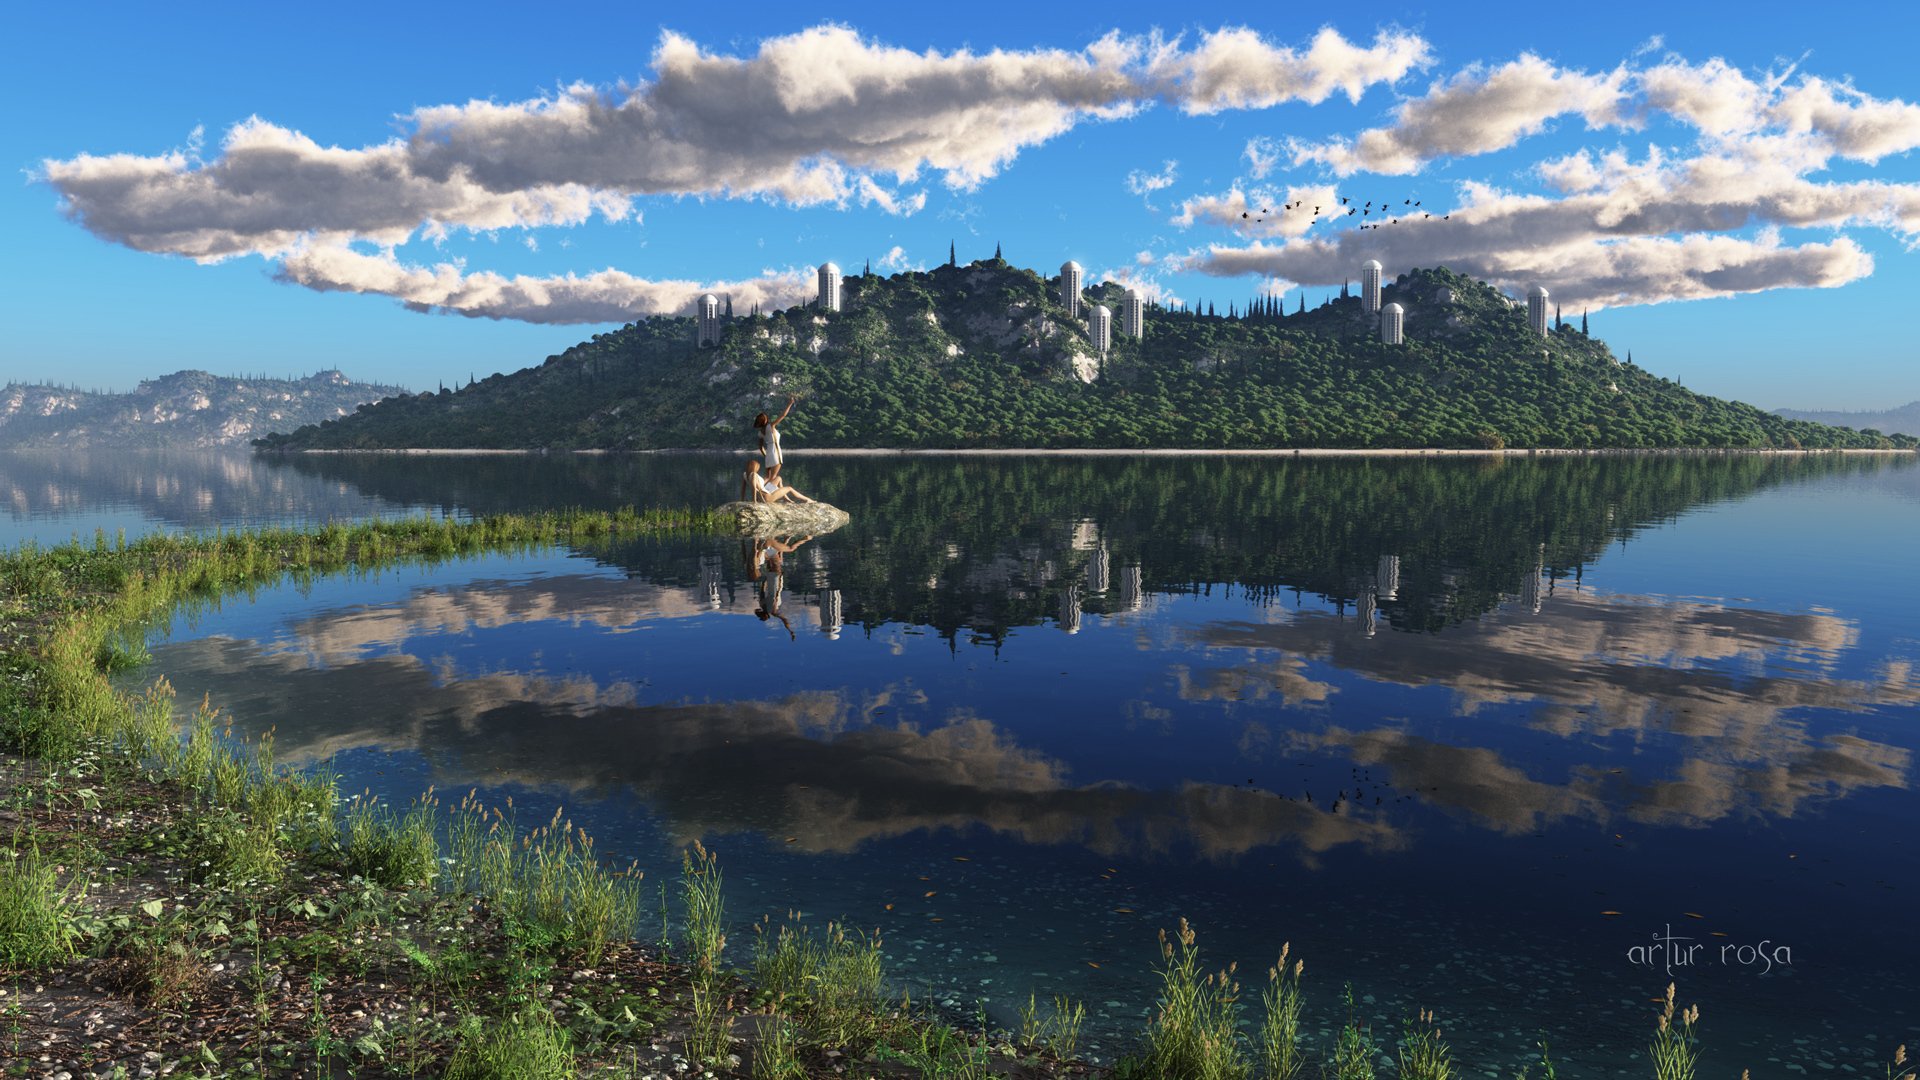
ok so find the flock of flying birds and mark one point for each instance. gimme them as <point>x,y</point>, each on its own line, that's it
<point>1393,215</point>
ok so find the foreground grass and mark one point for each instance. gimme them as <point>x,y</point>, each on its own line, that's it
<point>172,902</point>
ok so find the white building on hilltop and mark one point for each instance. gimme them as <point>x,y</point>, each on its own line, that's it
<point>1133,320</point>
<point>709,316</point>
<point>829,287</point>
<point>1370,286</point>
<point>1392,324</point>
<point>1537,310</point>
<point>1102,328</point>
<point>1072,277</point>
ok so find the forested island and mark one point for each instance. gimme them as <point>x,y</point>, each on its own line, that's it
<point>985,355</point>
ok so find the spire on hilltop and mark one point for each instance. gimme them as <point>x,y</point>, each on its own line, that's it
<point>952,259</point>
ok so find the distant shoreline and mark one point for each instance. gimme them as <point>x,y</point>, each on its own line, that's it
<point>1129,452</point>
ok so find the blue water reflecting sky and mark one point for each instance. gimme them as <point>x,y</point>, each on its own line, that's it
<point>1021,734</point>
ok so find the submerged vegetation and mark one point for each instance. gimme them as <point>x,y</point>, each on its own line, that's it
<point>173,899</point>
<point>985,355</point>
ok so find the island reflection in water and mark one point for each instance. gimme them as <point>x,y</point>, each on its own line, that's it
<point>1382,712</point>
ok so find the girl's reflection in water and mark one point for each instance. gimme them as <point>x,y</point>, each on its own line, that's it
<point>766,568</point>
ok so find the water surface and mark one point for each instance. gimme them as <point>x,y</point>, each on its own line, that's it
<point>1467,733</point>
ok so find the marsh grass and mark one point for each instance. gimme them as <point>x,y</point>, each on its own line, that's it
<point>711,1031</point>
<point>548,880</point>
<point>521,1046</point>
<point>776,1056</point>
<point>1548,1070</point>
<point>398,850</point>
<point>833,983</point>
<point>1278,1045</point>
<point>1353,1048</point>
<point>1674,1051</point>
<point>704,933</point>
<point>1058,1032</point>
<point>1194,1034</point>
<point>158,964</point>
<point>1424,1055</point>
<point>36,910</point>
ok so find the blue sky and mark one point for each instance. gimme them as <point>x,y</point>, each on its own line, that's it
<point>1734,198</point>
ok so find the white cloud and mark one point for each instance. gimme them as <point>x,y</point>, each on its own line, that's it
<point>1262,154</point>
<point>895,259</point>
<point>1142,279</point>
<point>1264,212</point>
<point>1634,233</point>
<point>1236,68</point>
<point>1474,113</point>
<point>603,296</point>
<point>1615,229</point>
<point>819,117</point>
<point>1143,183</point>
<point>271,187</point>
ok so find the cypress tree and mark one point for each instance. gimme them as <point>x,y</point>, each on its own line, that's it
<point>1303,302</point>
<point>1583,322</point>
<point>729,305</point>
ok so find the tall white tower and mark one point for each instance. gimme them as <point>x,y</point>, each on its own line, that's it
<point>1537,310</point>
<point>1071,279</point>
<point>1102,328</point>
<point>1370,287</point>
<point>1133,320</point>
<point>709,317</point>
<point>829,287</point>
<point>1392,324</point>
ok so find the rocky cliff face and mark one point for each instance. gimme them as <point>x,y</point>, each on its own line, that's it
<point>187,409</point>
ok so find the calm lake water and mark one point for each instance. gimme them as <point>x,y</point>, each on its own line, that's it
<point>1468,733</point>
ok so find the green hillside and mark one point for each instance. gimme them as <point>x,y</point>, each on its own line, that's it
<point>984,355</point>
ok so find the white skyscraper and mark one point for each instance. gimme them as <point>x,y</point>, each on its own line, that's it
<point>1133,322</point>
<point>1537,310</point>
<point>1370,287</point>
<point>1102,328</point>
<point>709,321</point>
<point>1392,324</point>
<point>1071,278</point>
<point>829,287</point>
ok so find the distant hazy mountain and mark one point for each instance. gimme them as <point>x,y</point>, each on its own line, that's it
<point>1904,420</point>
<point>187,409</point>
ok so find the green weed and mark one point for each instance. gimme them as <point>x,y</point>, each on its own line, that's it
<point>36,910</point>
<point>1194,1035</point>
<point>1674,1051</point>
<point>1424,1055</point>
<point>1281,1057</point>
<point>526,1044</point>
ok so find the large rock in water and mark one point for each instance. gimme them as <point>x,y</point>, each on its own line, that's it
<point>784,518</point>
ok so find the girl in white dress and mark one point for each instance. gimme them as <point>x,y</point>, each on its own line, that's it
<point>770,438</point>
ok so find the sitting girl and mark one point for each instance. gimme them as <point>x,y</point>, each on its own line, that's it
<point>766,489</point>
